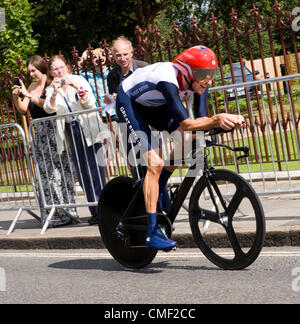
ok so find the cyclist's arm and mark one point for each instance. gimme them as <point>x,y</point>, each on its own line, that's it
<point>224,121</point>
<point>171,94</point>
<point>200,106</point>
<point>177,109</point>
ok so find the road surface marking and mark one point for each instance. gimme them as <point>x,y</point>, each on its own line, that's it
<point>105,255</point>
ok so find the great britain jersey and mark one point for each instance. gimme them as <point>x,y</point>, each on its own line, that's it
<point>156,85</point>
<point>142,85</point>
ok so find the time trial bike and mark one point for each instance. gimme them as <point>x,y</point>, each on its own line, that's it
<point>220,197</point>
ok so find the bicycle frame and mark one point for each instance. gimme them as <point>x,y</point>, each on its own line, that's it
<point>123,228</point>
<point>183,189</point>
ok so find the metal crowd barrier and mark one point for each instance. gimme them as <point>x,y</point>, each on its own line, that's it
<point>40,194</point>
<point>272,132</point>
<point>46,160</point>
<point>17,185</point>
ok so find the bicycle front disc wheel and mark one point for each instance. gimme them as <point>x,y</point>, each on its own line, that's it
<point>227,213</point>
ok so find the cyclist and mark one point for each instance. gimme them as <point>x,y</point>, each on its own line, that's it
<point>152,97</point>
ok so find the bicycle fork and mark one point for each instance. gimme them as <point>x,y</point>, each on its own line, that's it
<point>210,182</point>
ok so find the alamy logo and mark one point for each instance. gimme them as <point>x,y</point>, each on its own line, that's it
<point>2,280</point>
<point>2,19</point>
<point>296,281</point>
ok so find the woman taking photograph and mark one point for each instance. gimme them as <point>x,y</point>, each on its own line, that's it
<point>55,170</point>
<point>71,93</point>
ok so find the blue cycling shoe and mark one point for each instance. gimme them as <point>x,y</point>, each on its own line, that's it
<point>155,238</point>
<point>159,241</point>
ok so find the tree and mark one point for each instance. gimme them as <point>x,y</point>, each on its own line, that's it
<point>202,10</point>
<point>62,24</point>
<point>17,39</point>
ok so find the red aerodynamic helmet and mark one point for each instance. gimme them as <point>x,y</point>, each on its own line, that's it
<point>197,63</point>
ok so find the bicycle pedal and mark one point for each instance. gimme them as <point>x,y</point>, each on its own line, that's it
<point>121,234</point>
<point>121,231</point>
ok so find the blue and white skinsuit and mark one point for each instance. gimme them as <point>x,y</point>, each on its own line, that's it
<point>151,97</point>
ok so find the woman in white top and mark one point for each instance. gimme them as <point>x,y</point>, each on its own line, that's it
<point>68,93</point>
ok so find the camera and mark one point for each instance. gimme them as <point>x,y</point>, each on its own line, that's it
<point>63,82</point>
<point>17,82</point>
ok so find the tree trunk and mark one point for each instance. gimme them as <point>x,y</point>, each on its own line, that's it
<point>147,11</point>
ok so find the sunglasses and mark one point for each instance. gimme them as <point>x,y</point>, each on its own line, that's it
<point>204,74</point>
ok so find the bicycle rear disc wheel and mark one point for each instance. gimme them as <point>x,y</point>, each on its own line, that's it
<point>114,201</point>
<point>242,225</point>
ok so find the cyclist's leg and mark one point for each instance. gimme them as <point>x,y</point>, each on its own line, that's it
<point>151,181</point>
<point>155,238</point>
<point>139,128</point>
<point>169,124</point>
<point>163,196</point>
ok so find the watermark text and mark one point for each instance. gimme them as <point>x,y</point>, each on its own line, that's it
<point>2,280</point>
<point>296,20</point>
<point>296,280</point>
<point>2,19</point>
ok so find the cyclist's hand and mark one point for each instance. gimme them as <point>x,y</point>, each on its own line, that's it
<point>230,121</point>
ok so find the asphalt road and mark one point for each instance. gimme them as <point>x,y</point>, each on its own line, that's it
<point>180,277</point>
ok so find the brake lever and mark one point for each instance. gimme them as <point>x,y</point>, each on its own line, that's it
<point>216,131</point>
<point>244,149</point>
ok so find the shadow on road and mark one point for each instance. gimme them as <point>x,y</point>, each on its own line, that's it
<point>112,265</point>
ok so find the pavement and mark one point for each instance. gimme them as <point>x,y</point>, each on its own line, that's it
<point>282,228</point>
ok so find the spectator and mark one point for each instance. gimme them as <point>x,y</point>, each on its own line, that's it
<point>122,52</point>
<point>123,55</point>
<point>96,74</point>
<point>67,93</point>
<point>57,184</point>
